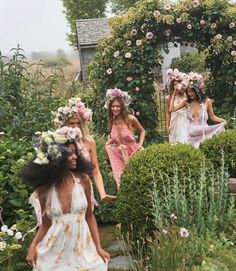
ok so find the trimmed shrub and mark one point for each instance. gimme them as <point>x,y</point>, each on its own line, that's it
<point>134,205</point>
<point>226,142</point>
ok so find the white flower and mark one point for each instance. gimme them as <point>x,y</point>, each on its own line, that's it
<point>37,133</point>
<point>109,71</point>
<point>4,228</point>
<point>18,235</point>
<point>60,139</point>
<point>232,25</point>
<point>167,6</point>
<point>202,22</point>
<point>184,232</point>
<point>195,3</point>
<point>129,78</point>
<point>233,53</point>
<point>1,133</point>
<point>213,25</point>
<point>164,231</point>
<point>234,42</point>
<point>230,38</point>
<point>3,245</point>
<point>173,216</point>
<point>10,232</point>
<point>138,42</point>
<point>116,53</point>
<point>128,42</point>
<point>14,227</point>
<point>189,26</point>
<point>218,37</point>
<point>156,13</point>
<point>178,20</point>
<point>128,55</point>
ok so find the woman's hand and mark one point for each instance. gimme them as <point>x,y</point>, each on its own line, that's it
<point>31,257</point>
<point>109,141</point>
<point>105,255</point>
<point>108,198</point>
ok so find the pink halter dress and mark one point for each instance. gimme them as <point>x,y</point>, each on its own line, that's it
<point>122,147</point>
<point>199,130</point>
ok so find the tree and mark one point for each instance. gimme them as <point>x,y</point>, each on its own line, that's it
<point>80,9</point>
<point>122,5</point>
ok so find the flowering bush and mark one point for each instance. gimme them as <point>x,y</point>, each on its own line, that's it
<point>127,57</point>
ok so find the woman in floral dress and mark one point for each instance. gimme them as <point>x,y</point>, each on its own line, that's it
<point>122,144</point>
<point>67,238</point>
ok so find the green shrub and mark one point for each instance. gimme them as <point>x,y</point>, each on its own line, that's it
<point>225,142</point>
<point>106,211</point>
<point>135,205</point>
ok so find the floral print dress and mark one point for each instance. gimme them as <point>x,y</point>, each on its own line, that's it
<point>68,244</point>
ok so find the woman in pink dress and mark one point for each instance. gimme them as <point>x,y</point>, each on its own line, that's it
<point>199,107</point>
<point>121,144</point>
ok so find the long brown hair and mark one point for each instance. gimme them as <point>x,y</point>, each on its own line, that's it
<point>124,111</point>
<point>172,84</point>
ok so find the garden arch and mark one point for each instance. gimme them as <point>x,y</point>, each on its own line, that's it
<point>126,57</point>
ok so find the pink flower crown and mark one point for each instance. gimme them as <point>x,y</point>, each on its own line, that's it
<point>193,80</point>
<point>175,75</point>
<point>75,106</point>
<point>111,94</point>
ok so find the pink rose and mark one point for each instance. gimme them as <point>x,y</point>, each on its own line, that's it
<point>189,26</point>
<point>137,89</point>
<point>138,42</point>
<point>232,25</point>
<point>116,53</point>
<point>109,71</point>
<point>134,32</point>
<point>87,114</point>
<point>234,42</point>
<point>178,20</point>
<point>129,78</point>
<point>196,3</point>
<point>128,42</point>
<point>233,53</point>
<point>213,25</point>
<point>149,35</point>
<point>202,22</point>
<point>156,13</point>
<point>230,38</point>
<point>137,113</point>
<point>218,37</point>
<point>184,232</point>
<point>128,55</point>
<point>167,6</point>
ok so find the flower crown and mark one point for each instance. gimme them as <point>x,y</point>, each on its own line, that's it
<point>175,75</point>
<point>111,94</point>
<point>49,146</point>
<point>75,106</point>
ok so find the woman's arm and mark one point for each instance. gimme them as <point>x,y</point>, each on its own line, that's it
<point>177,107</point>
<point>210,112</point>
<point>46,223</point>
<point>91,220</point>
<point>97,176</point>
<point>167,113</point>
<point>136,124</point>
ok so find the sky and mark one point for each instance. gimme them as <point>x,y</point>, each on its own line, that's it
<point>37,25</point>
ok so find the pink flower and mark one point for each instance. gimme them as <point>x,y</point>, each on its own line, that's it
<point>218,37</point>
<point>233,53</point>
<point>167,6</point>
<point>232,25</point>
<point>202,22</point>
<point>156,13</point>
<point>230,38</point>
<point>234,42</point>
<point>184,232</point>
<point>116,53</point>
<point>149,35</point>
<point>178,20</point>
<point>128,55</point>
<point>169,72</point>
<point>110,37</point>
<point>189,26</point>
<point>137,113</point>
<point>196,3</point>
<point>109,71</point>
<point>128,42</point>
<point>87,114</point>
<point>173,216</point>
<point>134,32</point>
<point>137,89</point>
<point>129,78</point>
<point>213,25</point>
<point>138,42</point>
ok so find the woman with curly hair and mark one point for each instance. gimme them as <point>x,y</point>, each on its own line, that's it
<point>67,238</point>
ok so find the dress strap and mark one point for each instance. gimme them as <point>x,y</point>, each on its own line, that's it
<point>76,179</point>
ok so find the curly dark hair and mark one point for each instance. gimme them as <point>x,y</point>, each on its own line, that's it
<point>200,95</point>
<point>36,175</point>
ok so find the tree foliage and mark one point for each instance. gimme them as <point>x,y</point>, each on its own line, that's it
<point>122,5</point>
<point>80,9</point>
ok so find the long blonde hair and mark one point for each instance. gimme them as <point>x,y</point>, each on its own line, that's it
<point>84,129</point>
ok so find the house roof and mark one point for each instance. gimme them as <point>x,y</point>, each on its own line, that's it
<point>90,31</point>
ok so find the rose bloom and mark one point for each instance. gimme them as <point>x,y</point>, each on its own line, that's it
<point>116,53</point>
<point>128,55</point>
<point>195,3</point>
<point>202,22</point>
<point>218,36</point>
<point>156,13</point>
<point>232,25</point>
<point>128,42</point>
<point>109,71</point>
<point>129,78</point>
<point>134,32</point>
<point>167,6</point>
<point>178,20</point>
<point>234,42</point>
<point>213,25</point>
<point>189,26</point>
<point>137,113</point>
<point>137,89</point>
<point>230,38</point>
<point>138,43</point>
<point>149,35</point>
<point>184,232</point>
<point>233,53</point>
